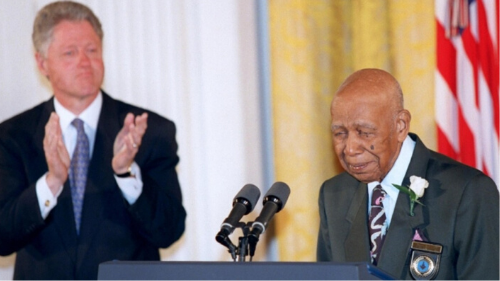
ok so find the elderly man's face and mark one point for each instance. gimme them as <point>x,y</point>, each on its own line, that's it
<point>365,136</point>
<point>73,61</point>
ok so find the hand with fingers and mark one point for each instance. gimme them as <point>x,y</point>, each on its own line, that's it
<point>56,154</point>
<point>128,141</point>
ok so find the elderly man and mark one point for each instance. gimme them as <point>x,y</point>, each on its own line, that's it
<point>84,178</point>
<point>367,213</point>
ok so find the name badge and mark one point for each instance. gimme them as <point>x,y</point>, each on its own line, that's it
<point>425,259</point>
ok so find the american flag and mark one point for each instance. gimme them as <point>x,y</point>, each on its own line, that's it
<point>467,82</point>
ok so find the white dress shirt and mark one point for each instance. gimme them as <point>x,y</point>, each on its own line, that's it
<point>395,176</point>
<point>131,187</point>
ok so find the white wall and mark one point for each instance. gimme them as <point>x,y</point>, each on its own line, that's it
<point>192,61</point>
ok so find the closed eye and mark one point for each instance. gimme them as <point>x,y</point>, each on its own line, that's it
<point>339,134</point>
<point>365,134</point>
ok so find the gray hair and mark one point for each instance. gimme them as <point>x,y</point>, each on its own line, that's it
<point>52,14</point>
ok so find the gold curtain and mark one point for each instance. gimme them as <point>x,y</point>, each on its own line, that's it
<point>315,45</point>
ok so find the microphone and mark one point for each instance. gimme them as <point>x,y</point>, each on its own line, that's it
<point>243,203</point>
<point>274,201</point>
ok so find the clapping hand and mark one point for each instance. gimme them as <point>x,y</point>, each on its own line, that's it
<point>56,154</point>
<point>128,141</point>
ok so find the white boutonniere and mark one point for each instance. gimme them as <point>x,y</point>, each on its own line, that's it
<point>415,191</point>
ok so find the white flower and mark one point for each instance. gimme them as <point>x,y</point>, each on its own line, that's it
<point>418,185</point>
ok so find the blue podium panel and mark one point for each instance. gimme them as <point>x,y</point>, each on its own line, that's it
<point>156,270</point>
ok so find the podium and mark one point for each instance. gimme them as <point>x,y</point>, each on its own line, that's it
<point>160,270</point>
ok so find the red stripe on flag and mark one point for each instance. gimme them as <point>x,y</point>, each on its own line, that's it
<point>444,146</point>
<point>467,150</point>
<point>446,62</point>
<point>470,48</point>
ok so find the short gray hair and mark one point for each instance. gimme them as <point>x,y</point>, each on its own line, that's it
<point>52,14</point>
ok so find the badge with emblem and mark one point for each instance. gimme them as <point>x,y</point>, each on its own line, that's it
<point>425,259</point>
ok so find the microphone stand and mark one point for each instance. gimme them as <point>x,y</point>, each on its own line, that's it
<point>242,250</point>
<point>243,242</point>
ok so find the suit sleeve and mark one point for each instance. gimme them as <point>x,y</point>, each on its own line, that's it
<point>323,251</point>
<point>20,216</point>
<point>476,231</point>
<point>158,213</point>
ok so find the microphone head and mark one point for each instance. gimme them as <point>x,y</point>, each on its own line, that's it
<point>279,193</point>
<point>248,196</point>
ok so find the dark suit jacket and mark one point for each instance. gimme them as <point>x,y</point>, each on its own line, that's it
<point>460,213</point>
<point>110,227</point>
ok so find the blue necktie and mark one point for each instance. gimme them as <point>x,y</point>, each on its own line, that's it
<point>377,223</point>
<point>78,171</point>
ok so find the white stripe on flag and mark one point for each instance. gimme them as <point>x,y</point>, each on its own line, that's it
<point>446,111</point>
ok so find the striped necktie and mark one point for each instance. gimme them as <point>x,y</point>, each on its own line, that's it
<point>376,221</point>
<point>78,171</point>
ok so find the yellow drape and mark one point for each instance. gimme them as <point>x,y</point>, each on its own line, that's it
<point>315,45</point>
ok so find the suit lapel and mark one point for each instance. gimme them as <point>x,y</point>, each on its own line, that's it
<point>396,249</point>
<point>356,244</point>
<point>395,252</point>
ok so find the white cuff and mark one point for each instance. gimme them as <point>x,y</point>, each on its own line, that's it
<point>46,200</point>
<point>131,187</point>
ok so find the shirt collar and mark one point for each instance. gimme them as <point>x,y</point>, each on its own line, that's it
<point>90,116</point>
<point>398,171</point>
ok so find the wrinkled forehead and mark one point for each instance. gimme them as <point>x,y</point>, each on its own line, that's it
<point>362,89</point>
<point>359,110</point>
<point>360,97</point>
<point>350,99</point>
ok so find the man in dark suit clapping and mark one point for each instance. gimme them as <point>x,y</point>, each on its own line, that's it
<point>84,178</point>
